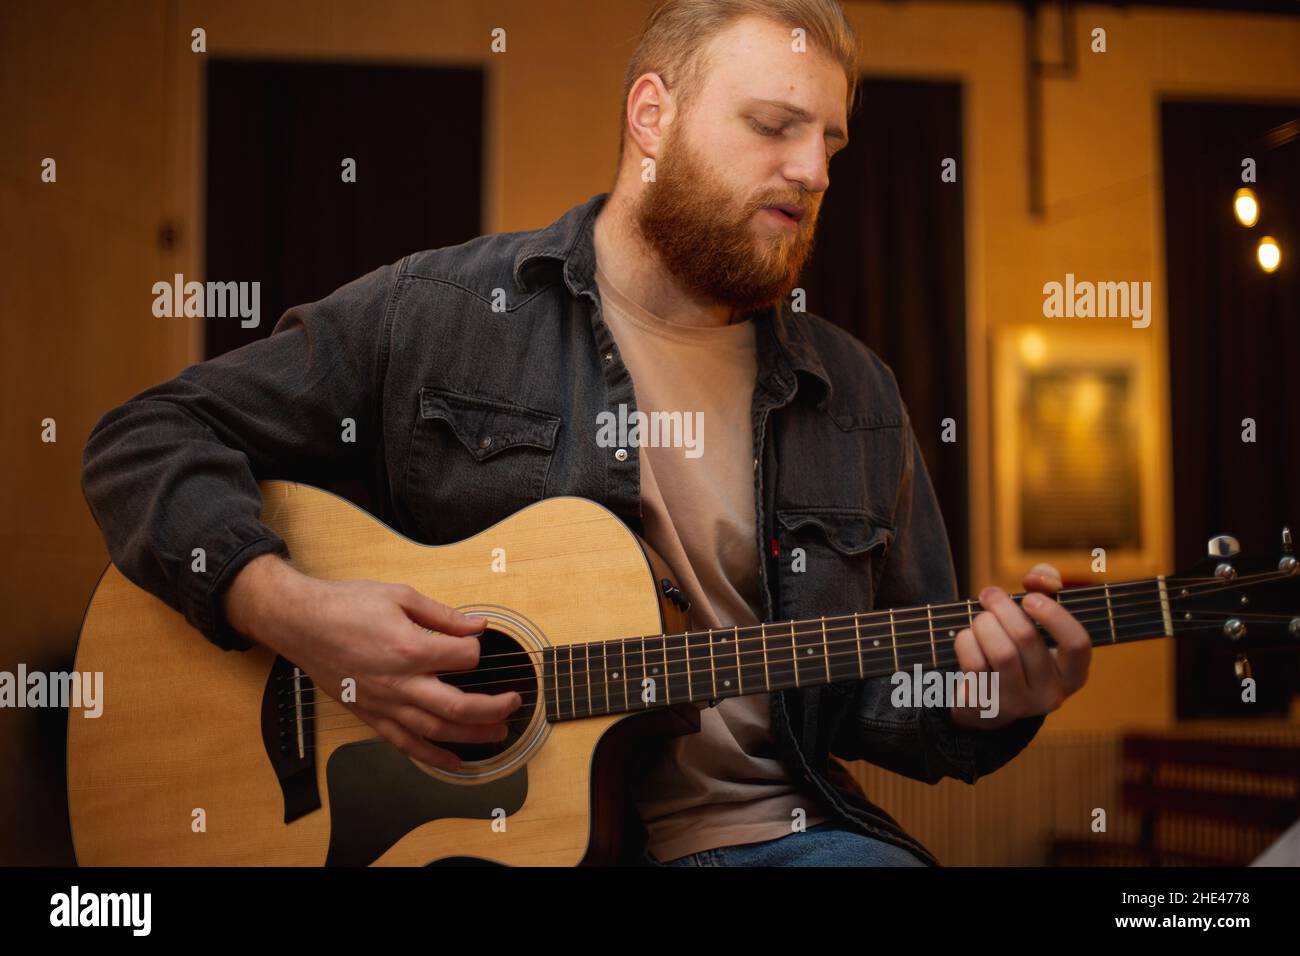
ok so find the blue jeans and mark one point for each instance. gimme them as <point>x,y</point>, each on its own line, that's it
<point>826,844</point>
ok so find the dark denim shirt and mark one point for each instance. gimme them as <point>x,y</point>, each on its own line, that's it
<point>503,336</point>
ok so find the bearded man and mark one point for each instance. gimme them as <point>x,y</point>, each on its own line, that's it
<point>476,377</point>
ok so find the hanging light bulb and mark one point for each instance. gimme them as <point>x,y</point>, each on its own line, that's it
<point>1268,253</point>
<point>1246,206</point>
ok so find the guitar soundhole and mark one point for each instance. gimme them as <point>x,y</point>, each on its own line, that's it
<point>503,666</point>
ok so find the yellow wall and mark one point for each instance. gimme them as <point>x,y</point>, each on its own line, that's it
<point>112,93</point>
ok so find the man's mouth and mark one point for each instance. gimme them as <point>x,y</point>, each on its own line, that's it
<point>790,214</point>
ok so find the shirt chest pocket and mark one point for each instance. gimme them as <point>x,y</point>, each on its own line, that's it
<point>473,461</point>
<point>830,560</point>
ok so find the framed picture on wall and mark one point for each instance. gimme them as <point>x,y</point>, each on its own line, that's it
<point>1075,452</point>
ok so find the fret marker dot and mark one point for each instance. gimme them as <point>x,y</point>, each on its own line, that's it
<point>952,633</point>
<point>726,683</point>
<point>876,642</point>
<point>615,675</point>
<point>654,670</point>
<point>808,651</point>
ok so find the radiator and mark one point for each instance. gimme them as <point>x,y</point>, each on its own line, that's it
<point>1050,790</point>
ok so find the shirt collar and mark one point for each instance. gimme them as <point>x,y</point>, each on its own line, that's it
<point>568,243</point>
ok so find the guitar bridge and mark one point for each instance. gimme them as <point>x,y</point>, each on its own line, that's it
<point>288,734</point>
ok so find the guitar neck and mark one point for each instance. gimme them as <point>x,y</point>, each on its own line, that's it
<point>661,670</point>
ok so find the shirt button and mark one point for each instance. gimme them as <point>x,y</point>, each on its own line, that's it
<point>621,454</point>
<point>485,442</point>
<point>756,464</point>
<point>609,357</point>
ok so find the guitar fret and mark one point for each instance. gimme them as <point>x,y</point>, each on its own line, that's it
<point>586,653</point>
<point>740,674</point>
<point>573,700</point>
<point>623,646</point>
<point>713,673</point>
<point>638,686</point>
<point>857,642</point>
<point>826,651</point>
<point>555,678</point>
<point>934,654</point>
<point>794,654</point>
<point>650,676</point>
<point>893,636</point>
<point>689,690</point>
<point>668,698</point>
<point>767,674</point>
<point>604,667</point>
<point>1110,613</point>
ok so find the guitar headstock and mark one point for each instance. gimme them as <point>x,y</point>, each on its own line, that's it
<point>1245,601</point>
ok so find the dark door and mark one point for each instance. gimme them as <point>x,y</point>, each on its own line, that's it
<point>1234,347</point>
<point>890,267</point>
<point>278,209</point>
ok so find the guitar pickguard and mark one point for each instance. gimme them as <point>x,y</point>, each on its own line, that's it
<point>377,796</point>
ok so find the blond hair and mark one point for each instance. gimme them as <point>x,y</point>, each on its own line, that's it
<point>676,33</point>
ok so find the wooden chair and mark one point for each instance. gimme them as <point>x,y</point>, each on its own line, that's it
<point>1200,802</point>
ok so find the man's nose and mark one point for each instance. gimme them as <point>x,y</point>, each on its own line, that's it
<point>809,167</point>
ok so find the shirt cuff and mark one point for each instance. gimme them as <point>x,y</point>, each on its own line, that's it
<point>203,592</point>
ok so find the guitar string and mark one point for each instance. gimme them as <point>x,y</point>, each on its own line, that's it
<point>782,636</point>
<point>790,663</point>
<point>330,728</point>
<point>786,664</point>
<point>777,629</point>
<point>960,610</point>
<point>887,650</point>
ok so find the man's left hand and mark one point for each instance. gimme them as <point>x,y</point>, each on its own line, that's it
<point>1032,678</point>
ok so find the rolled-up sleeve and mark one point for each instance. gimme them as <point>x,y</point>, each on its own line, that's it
<point>171,475</point>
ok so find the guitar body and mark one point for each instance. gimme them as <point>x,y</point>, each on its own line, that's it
<point>211,757</point>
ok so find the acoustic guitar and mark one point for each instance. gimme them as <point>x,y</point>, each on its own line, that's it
<point>210,757</point>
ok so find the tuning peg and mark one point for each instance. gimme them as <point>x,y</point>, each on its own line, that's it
<point>1241,667</point>
<point>1223,546</point>
<point>1234,629</point>
<point>1287,563</point>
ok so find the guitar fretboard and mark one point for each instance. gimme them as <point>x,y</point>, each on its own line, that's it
<point>661,670</point>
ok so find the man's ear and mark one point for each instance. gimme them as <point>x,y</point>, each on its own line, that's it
<point>649,109</point>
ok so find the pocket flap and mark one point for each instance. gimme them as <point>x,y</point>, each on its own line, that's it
<point>849,532</point>
<point>485,426</point>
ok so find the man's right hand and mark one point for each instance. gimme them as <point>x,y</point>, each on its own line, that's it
<point>375,634</point>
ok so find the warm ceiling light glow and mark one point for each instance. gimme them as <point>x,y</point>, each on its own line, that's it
<point>1033,349</point>
<point>1268,253</point>
<point>1246,206</point>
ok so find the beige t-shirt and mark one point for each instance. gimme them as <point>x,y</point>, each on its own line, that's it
<point>725,785</point>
